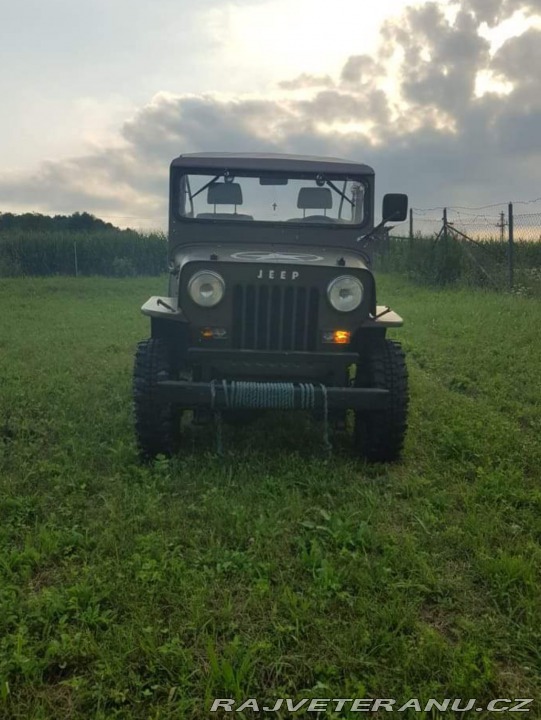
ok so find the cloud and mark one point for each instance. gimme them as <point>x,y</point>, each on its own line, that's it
<point>519,59</point>
<point>440,61</point>
<point>410,110</point>
<point>359,69</point>
<point>306,80</point>
<point>495,11</point>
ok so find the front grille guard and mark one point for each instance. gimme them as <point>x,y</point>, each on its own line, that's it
<point>275,317</point>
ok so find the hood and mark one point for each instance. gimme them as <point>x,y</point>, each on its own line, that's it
<point>271,255</point>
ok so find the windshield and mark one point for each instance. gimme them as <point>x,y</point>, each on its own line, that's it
<point>316,198</point>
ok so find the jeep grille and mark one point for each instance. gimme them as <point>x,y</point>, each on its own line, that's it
<point>275,317</point>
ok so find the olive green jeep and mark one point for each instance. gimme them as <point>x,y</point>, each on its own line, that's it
<point>272,302</point>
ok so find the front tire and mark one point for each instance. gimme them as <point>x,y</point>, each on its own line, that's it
<point>379,434</point>
<point>157,424</point>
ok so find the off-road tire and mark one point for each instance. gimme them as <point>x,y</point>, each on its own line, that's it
<point>379,434</point>
<point>157,425</point>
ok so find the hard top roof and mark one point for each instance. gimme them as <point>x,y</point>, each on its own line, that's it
<point>270,161</point>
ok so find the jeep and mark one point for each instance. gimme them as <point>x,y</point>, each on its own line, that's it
<point>272,302</point>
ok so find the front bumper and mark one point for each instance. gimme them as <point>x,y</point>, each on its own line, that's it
<point>218,395</point>
<point>327,367</point>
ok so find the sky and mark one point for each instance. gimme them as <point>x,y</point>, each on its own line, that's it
<point>442,98</point>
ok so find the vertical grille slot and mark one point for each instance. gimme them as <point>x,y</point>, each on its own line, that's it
<point>277,317</point>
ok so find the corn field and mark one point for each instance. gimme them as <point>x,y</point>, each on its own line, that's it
<point>127,253</point>
<point>454,261</point>
<point>120,253</point>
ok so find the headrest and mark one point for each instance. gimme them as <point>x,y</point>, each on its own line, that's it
<point>224,194</point>
<point>314,198</point>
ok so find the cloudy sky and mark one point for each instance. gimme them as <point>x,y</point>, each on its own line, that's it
<point>442,98</point>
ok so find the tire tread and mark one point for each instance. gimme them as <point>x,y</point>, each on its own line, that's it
<point>380,435</point>
<point>157,425</point>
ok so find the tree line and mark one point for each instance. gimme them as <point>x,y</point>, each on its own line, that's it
<point>36,222</point>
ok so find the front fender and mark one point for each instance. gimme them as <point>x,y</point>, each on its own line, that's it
<point>164,308</point>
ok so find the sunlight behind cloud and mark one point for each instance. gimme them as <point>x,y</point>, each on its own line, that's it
<point>516,25</point>
<point>487,82</point>
<point>347,128</point>
<point>283,39</point>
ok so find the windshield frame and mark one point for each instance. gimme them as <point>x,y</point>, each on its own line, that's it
<point>213,173</point>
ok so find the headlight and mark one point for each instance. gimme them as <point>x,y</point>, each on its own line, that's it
<point>345,293</point>
<point>206,288</point>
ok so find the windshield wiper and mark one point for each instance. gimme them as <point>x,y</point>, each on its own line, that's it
<point>211,182</point>
<point>337,190</point>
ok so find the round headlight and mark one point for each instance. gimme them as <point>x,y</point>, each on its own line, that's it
<point>206,288</point>
<point>345,293</point>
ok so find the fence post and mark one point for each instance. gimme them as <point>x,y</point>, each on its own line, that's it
<point>75,258</point>
<point>445,225</point>
<point>511,228</point>
<point>411,224</point>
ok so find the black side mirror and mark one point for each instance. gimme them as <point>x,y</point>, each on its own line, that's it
<point>395,207</point>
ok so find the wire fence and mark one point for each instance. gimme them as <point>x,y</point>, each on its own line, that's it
<point>480,225</point>
<point>493,246</point>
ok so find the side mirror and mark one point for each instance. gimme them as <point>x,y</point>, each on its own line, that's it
<point>395,207</point>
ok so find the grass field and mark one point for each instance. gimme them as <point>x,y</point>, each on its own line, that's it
<point>133,592</point>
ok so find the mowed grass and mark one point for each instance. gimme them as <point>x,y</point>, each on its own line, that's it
<point>145,592</point>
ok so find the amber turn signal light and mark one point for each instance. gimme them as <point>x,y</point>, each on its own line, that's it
<point>209,333</point>
<point>337,337</point>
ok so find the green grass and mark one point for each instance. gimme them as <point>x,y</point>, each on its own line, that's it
<point>136,592</point>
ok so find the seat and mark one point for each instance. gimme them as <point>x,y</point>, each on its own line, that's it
<point>313,218</point>
<point>224,194</point>
<point>224,216</point>
<point>314,198</point>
